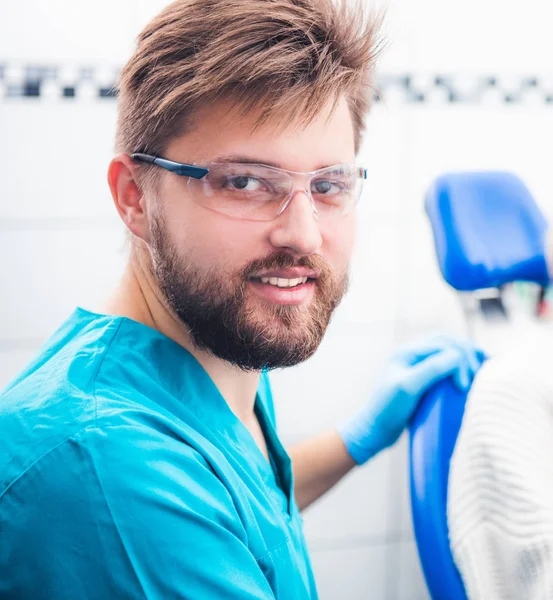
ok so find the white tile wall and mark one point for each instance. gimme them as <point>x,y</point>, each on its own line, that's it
<point>424,296</point>
<point>58,154</point>
<point>446,138</point>
<point>409,584</point>
<point>353,573</point>
<point>61,243</point>
<point>374,286</point>
<point>356,510</point>
<point>473,35</point>
<point>45,274</point>
<point>383,155</point>
<point>66,31</point>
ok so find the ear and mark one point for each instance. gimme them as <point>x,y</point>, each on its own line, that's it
<point>128,197</point>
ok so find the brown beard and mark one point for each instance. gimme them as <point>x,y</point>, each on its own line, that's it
<point>219,319</point>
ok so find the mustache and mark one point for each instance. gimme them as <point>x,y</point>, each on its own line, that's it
<point>284,260</point>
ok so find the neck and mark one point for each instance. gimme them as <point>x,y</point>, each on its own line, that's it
<point>138,297</point>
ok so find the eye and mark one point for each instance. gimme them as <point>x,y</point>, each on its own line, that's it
<point>326,187</point>
<point>244,183</point>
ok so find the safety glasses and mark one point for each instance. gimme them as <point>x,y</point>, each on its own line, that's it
<point>260,192</point>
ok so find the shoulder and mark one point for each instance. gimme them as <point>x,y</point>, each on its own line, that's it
<point>135,460</point>
<point>122,508</point>
<point>53,398</point>
<point>123,472</point>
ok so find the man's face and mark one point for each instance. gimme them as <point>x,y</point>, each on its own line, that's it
<point>213,268</point>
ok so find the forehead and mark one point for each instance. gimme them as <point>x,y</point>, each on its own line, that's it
<point>221,129</point>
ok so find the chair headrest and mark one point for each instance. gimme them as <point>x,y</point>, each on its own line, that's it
<point>488,230</point>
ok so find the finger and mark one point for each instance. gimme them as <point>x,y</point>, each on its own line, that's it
<point>416,352</point>
<point>475,354</point>
<point>431,370</point>
<point>470,354</point>
<point>482,356</point>
<point>462,377</point>
<point>419,350</point>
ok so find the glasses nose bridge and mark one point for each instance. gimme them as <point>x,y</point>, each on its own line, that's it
<point>294,188</point>
<point>298,182</point>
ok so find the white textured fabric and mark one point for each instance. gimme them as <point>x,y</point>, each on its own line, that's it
<point>500,496</point>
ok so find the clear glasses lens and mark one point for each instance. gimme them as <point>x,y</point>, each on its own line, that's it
<point>258,193</point>
<point>242,190</point>
<point>336,190</point>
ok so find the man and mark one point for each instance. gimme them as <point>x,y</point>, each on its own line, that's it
<point>139,454</point>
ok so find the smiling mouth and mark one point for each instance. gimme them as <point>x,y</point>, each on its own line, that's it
<point>283,283</point>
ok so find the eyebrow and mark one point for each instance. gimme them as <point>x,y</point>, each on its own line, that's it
<point>251,160</point>
<point>247,160</point>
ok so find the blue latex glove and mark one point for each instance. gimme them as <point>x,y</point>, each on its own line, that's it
<point>412,372</point>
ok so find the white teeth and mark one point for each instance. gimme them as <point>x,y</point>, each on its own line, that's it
<point>282,282</point>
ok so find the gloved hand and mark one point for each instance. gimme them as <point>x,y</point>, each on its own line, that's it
<point>412,372</point>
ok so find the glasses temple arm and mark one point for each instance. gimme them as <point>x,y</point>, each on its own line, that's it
<point>170,165</point>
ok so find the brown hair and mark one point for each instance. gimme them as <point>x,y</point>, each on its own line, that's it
<point>285,58</point>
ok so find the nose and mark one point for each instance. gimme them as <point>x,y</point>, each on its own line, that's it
<point>296,228</point>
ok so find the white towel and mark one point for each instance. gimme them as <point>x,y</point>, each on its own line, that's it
<point>500,493</point>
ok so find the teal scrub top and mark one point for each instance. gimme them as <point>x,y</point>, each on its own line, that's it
<point>124,474</point>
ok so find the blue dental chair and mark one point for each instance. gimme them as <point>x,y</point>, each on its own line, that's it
<point>488,232</point>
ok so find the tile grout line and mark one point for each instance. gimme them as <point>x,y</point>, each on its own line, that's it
<point>58,224</point>
<point>351,542</point>
<point>393,562</point>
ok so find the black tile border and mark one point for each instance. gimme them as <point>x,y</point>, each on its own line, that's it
<point>66,82</point>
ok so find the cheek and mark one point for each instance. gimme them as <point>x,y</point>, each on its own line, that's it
<point>339,239</point>
<point>214,240</point>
